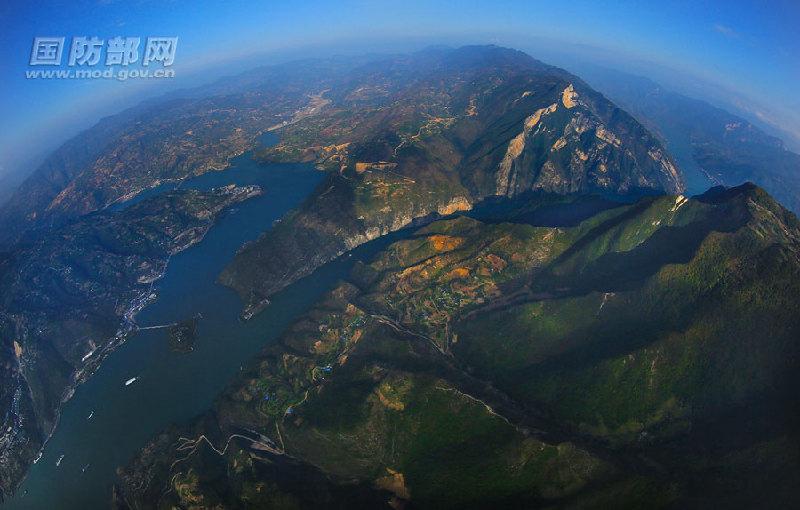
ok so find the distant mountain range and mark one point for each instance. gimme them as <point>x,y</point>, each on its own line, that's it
<point>574,332</point>
<point>172,139</point>
<point>644,358</point>
<point>161,141</point>
<point>410,137</point>
<point>712,147</point>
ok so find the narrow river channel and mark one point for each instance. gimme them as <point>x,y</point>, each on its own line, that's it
<point>107,422</point>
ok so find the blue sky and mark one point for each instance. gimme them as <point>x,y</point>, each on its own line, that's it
<point>741,46</point>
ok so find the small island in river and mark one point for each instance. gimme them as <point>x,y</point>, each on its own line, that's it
<point>182,335</point>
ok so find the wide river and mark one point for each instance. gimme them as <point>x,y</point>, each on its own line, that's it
<point>172,387</point>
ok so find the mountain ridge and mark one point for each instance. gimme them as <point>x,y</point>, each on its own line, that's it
<point>59,320</point>
<point>432,135</point>
<point>560,386</point>
<point>712,145</point>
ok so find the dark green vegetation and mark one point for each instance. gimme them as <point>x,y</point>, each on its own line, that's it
<point>183,335</point>
<point>402,137</point>
<point>162,141</point>
<point>433,133</point>
<point>71,296</point>
<point>645,357</point>
<point>558,348</point>
<point>711,146</point>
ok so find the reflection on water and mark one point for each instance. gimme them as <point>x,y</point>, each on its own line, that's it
<point>107,421</point>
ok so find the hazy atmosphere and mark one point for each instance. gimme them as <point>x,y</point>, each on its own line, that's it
<point>399,255</point>
<point>735,53</point>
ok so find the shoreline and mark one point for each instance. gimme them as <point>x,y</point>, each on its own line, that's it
<point>127,327</point>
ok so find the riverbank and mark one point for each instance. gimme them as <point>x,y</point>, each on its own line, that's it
<point>187,283</point>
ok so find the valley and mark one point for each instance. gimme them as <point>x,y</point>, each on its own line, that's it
<point>455,278</point>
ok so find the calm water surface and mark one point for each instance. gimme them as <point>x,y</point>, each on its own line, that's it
<point>172,387</point>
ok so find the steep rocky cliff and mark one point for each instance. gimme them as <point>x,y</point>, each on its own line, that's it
<point>433,133</point>
<point>646,357</point>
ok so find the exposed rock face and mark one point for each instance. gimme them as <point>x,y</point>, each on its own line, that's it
<point>515,148</point>
<point>71,296</point>
<point>475,364</point>
<point>414,134</point>
<point>594,164</point>
<point>164,140</point>
<point>404,139</point>
<point>415,131</point>
<point>712,146</point>
<point>568,97</point>
<point>457,204</point>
